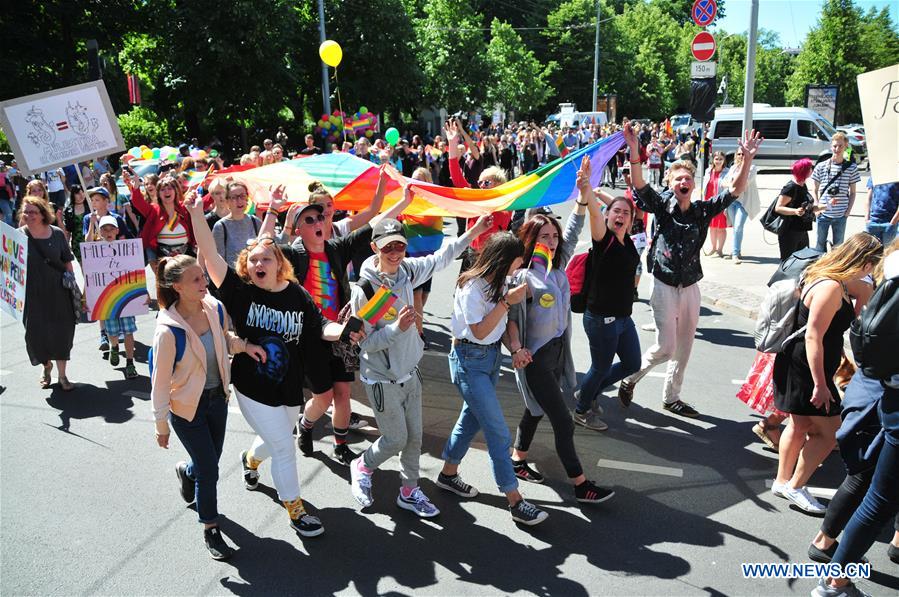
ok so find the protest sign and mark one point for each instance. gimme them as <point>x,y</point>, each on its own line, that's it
<point>13,270</point>
<point>115,282</point>
<point>60,127</point>
<point>878,93</point>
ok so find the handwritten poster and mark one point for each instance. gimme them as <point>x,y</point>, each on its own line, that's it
<point>878,92</point>
<point>60,127</point>
<point>115,282</point>
<point>13,270</point>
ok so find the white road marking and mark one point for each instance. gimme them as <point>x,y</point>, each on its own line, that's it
<point>641,468</point>
<point>738,382</point>
<point>4,372</point>
<point>821,492</point>
<point>661,374</point>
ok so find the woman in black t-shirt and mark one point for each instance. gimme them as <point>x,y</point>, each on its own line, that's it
<point>607,319</point>
<point>271,310</point>
<point>796,206</point>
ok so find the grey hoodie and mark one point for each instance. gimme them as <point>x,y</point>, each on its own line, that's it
<point>389,354</point>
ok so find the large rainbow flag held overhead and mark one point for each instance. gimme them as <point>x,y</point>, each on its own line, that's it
<point>352,181</point>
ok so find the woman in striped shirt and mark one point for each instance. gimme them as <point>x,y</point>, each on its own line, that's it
<point>166,231</point>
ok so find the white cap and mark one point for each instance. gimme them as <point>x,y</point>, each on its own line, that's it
<point>109,220</point>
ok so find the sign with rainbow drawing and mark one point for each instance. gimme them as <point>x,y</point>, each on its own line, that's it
<point>13,270</point>
<point>115,282</point>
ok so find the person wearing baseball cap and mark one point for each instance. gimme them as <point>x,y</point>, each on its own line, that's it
<point>391,349</point>
<point>99,201</point>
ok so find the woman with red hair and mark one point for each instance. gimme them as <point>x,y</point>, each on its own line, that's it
<point>796,206</point>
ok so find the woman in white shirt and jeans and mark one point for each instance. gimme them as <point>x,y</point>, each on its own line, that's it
<point>480,309</point>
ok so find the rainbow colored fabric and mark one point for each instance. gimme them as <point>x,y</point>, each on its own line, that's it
<point>377,306</point>
<point>424,233</point>
<point>542,257</point>
<point>560,145</point>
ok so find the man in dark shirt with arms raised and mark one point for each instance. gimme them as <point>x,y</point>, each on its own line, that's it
<point>674,262</point>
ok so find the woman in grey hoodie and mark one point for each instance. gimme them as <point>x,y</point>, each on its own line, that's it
<point>390,354</point>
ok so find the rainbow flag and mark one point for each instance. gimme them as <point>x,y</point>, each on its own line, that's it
<point>377,306</point>
<point>560,144</point>
<point>197,178</point>
<point>543,256</point>
<point>423,233</point>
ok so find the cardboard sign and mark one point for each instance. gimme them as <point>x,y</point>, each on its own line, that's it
<point>60,127</point>
<point>13,270</point>
<point>878,93</point>
<point>115,281</point>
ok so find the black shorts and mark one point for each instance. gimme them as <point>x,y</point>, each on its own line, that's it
<point>337,370</point>
<point>426,287</point>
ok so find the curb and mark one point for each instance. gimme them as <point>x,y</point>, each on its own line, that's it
<point>730,298</point>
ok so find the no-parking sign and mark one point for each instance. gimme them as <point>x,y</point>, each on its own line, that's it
<point>704,12</point>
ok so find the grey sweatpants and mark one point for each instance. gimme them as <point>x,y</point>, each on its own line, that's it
<point>398,413</point>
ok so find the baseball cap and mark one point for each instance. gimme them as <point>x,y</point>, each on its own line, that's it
<point>98,191</point>
<point>387,231</point>
<point>109,220</point>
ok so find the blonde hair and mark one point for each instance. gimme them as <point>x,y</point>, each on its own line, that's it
<point>840,136</point>
<point>422,174</point>
<point>216,184</point>
<point>42,204</point>
<point>285,269</point>
<point>846,261</point>
<point>495,173</point>
<point>887,250</point>
<point>680,165</point>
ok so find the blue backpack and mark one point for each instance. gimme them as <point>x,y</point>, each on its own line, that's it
<point>181,341</point>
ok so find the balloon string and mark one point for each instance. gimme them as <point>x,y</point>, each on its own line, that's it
<point>340,104</point>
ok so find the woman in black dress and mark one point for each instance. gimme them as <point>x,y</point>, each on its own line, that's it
<point>49,315</point>
<point>797,208</point>
<point>803,372</point>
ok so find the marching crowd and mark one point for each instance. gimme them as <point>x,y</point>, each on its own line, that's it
<point>265,308</point>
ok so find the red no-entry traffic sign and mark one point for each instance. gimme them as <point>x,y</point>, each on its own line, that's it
<point>704,12</point>
<point>703,46</point>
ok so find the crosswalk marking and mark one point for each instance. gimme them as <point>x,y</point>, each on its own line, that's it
<point>641,468</point>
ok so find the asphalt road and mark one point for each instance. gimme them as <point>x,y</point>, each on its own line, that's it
<point>89,504</point>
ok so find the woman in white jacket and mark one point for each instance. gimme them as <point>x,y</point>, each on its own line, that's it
<point>746,207</point>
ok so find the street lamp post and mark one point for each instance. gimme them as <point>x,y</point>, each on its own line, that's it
<point>326,91</point>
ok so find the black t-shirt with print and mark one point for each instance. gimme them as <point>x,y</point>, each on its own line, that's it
<point>613,266</point>
<point>288,325</point>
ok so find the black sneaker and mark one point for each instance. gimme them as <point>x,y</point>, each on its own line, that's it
<point>526,473</point>
<point>456,485</point>
<point>893,553</point>
<point>304,441</point>
<point>527,513</point>
<point>307,525</point>
<point>590,493</point>
<point>104,342</point>
<point>114,356</point>
<point>626,393</point>
<point>357,422</point>
<point>215,543</point>
<point>250,475</point>
<point>188,486</point>
<point>343,454</point>
<point>824,556</point>
<point>681,408</point>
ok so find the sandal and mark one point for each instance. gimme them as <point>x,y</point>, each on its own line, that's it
<point>45,377</point>
<point>65,384</point>
<point>761,430</point>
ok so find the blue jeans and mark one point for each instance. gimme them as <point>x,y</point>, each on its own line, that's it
<point>838,225</point>
<point>6,210</point>
<point>606,340</point>
<point>885,233</point>
<point>738,216</point>
<point>474,369</point>
<point>203,438</point>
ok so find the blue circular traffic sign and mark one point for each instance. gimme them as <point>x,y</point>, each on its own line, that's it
<point>704,12</point>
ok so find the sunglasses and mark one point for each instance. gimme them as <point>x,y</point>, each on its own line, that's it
<point>486,183</point>
<point>310,220</point>
<point>265,241</point>
<point>394,247</point>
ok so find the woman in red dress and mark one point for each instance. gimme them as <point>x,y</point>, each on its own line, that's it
<point>718,225</point>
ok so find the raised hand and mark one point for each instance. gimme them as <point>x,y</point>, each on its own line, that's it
<point>750,143</point>
<point>484,223</point>
<point>630,135</point>
<point>406,317</point>
<point>278,197</point>
<point>583,174</point>
<point>194,203</point>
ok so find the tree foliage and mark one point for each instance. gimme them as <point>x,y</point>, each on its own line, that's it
<point>518,80</point>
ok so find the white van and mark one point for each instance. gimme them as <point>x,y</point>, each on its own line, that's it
<point>790,134</point>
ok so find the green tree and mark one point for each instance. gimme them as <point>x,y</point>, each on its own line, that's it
<point>143,126</point>
<point>518,80</point>
<point>450,47</point>
<point>844,44</point>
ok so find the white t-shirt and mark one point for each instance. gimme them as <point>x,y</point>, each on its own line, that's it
<point>341,228</point>
<point>470,306</point>
<point>54,182</point>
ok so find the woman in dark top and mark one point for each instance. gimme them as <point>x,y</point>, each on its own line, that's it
<point>804,370</point>
<point>607,319</point>
<point>795,205</point>
<point>271,310</point>
<point>49,315</point>
<point>73,218</point>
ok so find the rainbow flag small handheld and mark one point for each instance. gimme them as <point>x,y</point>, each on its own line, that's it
<point>197,177</point>
<point>543,256</point>
<point>377,306</point>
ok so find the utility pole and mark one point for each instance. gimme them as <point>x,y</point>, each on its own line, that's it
<point>749,88</point>
<point>326,91</point>
<point>595,59</point>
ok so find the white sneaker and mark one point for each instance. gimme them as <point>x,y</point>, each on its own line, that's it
<point>778,489</point>
<point>804,500</point>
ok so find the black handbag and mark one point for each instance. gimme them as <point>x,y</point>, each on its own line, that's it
<point>771,220</point>
<point>68,281</point>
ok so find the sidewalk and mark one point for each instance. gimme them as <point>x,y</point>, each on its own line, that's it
<point>740,288</point>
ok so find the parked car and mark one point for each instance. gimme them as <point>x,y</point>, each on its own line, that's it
<point>790,133</point>
<point>854,130</point>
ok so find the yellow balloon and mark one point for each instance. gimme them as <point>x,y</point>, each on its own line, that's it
<point>330,52</point>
